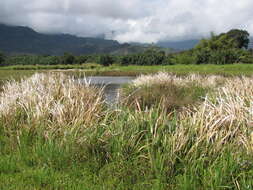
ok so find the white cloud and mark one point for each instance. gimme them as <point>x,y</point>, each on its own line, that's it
<point>132,20</point>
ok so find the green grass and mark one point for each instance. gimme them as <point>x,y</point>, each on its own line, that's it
<point>124,148</point>
<point>126,151</point>
<point>132,70</point>
<point>51,67</point>
<point>235,69</point>
<point>169,96</point>
<point>15,74</point>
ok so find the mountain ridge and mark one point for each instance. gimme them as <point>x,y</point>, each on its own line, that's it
<point>24,40</point>
<point>19,39</point>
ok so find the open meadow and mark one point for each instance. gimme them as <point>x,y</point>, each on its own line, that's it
<point>167,132</point>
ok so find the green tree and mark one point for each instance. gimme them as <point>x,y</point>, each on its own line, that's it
<point>239,37</point>
<point>68,59</point>
<point>232,39</point>
<point>106,60</point>
<point>81,59</point>
<point>2,58</point>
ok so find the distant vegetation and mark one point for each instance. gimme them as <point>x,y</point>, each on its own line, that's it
<point>226,48</point>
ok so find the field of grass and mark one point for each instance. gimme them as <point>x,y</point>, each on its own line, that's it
<point>58,133</point>
<point>131,70</point>
<point>227,70</point>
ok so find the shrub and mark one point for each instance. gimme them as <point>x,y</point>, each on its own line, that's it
<point>183,58</point>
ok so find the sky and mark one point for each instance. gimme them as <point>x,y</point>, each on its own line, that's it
<point>145,21</point>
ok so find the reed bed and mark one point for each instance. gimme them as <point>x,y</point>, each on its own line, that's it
<point>169,91</point>
<point>55,100</point>
<point>205,145</point>
<point>226,116</point>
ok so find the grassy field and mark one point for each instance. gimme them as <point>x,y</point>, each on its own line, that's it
<point>58,133</point>
<point>132,70</point>
<point>227,70</point>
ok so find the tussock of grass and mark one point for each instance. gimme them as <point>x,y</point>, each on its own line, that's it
<point>226,117</point>
<point>55,99</point>
<point>208,146</point>
<point>168,90</point>
<point>167,79</point>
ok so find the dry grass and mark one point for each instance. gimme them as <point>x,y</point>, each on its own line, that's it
<point>169,91</point>
<point>225,116</point>
<point>167,78</point>
<point>55,98</point>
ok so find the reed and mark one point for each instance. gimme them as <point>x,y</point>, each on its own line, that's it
<point>54,100</point>
<point>56,133</point>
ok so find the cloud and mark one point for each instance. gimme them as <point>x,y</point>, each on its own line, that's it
<point>131,20</point>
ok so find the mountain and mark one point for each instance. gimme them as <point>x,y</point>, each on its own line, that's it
<point>178,45</point>
<point>139,48</point>
<point>24,40</point>
<point>187,44</point>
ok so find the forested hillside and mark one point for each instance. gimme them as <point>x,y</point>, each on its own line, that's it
<point>24,40</point>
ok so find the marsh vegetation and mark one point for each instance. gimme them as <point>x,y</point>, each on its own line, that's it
<point>191,132</point>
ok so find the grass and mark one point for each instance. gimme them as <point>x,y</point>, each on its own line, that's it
<point>206,69</point>
<point>58,134</point>
<point>51,67</point>
<point>166,90</point>
<point>132,70</point>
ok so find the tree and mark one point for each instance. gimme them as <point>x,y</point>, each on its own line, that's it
<point>240,38</point>
<point>106,60</point>
<point>81,59</point>
<point>2,58</point>
<point>232,39</point>
<point>68,59</point>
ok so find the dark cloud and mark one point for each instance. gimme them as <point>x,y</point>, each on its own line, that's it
<point>132,20</point>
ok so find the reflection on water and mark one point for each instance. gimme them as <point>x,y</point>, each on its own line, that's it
<point>111,86</point>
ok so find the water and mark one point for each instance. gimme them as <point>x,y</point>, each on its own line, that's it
<point>111,85</point>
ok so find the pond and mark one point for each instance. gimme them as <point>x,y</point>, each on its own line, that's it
<point>111,85</point>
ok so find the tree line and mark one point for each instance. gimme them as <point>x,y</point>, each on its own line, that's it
<point>225,48</point>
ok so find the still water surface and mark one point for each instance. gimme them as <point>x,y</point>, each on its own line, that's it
<point>111,85</point>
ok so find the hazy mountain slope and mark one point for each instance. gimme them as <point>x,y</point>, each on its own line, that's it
<point>179,45</point>
<point>16,39</point>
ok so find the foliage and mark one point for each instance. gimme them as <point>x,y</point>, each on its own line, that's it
<point>67,59</point>
<point>240,38</point>
<point>106,60</point>
<point>225,48</point>
<point>149,57</point>
<point>81,59</point>
<point>233,39</point>
<point>2,58</point>
<point>32,60</point>
<point>222,56</point>
<point>185,58</point>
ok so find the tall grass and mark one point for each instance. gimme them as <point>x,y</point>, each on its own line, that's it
<point>56,101</point>
<point>168,90</point>
<point>88,146</point>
